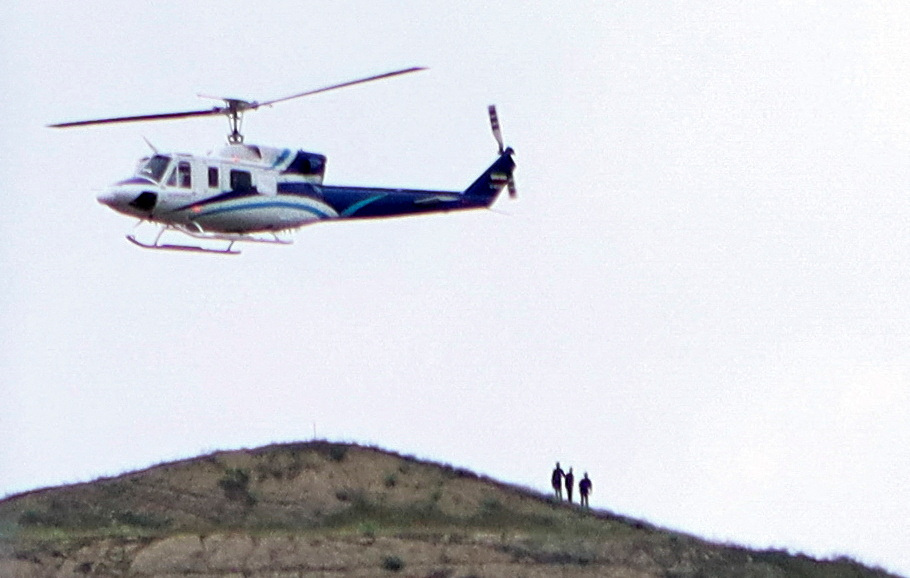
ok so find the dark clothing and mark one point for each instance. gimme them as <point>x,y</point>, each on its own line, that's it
<point>584,488</point>
<point>556,480</point>
<point>570,483</point>
<point>557,477</point>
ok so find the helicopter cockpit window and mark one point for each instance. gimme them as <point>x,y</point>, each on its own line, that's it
<point>154,167</point>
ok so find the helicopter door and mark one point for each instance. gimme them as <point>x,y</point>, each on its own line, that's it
<point>181,176</point>
<point>268,185</point>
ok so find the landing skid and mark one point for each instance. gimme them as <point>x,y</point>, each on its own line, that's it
<point>190,248</point>
<point>201,234</point>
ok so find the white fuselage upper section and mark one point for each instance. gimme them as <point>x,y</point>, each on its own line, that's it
<point>236,191</point>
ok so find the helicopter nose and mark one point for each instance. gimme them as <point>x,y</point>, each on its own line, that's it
<point>108,197</point>
<point>129,201</point>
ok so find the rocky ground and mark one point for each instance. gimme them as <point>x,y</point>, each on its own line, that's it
<point>322,509</point>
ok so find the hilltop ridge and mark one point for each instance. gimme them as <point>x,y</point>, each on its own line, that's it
<point>330,509</point>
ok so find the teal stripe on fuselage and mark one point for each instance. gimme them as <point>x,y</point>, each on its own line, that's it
<point>361,204</point>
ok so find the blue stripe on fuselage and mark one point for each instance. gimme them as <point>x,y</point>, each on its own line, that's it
<point>228,196</point>
<point>264,205</point>
<point>281,158</point>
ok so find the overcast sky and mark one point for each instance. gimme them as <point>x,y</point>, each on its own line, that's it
<point>700,296</point>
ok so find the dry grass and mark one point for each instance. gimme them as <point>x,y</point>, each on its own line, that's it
<point>320,508</point>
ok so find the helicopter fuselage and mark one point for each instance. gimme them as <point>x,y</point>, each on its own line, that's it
<point>249,193</point>
<point>252,189</point>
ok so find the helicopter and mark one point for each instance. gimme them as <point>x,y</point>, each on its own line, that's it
<point>260,194</point>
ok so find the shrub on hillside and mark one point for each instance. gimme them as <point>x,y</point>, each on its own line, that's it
<point>392,563</point>
<point>235,484</point>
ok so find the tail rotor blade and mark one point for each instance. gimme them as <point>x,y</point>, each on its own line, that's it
<point>494,124</point>
<point>497,134</point>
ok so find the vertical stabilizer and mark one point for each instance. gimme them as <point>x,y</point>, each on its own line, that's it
<point>494,179</point>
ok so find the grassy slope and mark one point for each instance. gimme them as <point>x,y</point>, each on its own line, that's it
<point>431,519</point>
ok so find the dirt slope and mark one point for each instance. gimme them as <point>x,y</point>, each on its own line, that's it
<point>324,509</point>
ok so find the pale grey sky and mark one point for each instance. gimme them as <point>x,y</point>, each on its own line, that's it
<point>700,297</point>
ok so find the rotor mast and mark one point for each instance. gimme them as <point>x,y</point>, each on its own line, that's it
<point>234,110</point>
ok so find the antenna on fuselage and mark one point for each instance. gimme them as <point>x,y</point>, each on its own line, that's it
<point>151,146</point>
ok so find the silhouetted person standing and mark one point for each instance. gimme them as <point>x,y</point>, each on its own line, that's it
<point>570,483</point>
<point>584,488</point>
<point>556,480</point>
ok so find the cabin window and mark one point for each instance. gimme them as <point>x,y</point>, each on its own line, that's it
<point>181,177</point>
<point>213,177</point>
<point>241,181</point>
<point>185,175</point>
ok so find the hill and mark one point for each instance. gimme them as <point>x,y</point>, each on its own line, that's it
<point>327,509</point>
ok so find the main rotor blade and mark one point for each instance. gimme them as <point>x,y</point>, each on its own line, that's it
<point>163,116</point>
<point>343,84</point>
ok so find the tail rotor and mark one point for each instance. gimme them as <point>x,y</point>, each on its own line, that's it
<point>497,134</point>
